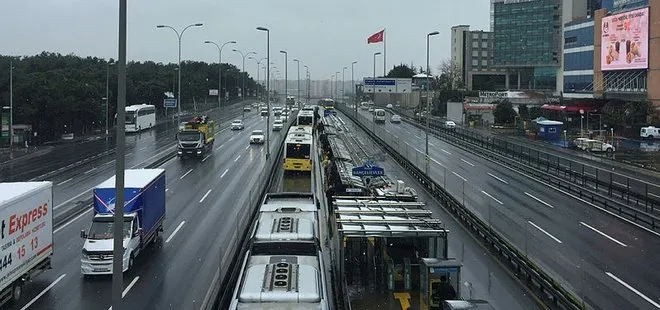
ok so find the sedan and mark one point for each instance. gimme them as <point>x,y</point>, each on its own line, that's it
<point>237,124</point>
<point>395,119</point>
<point>257,137</point>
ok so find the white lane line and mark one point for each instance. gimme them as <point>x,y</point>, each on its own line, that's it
<point>437,162</point>
<point>205,158</point>
<point>498,178</point>
<point>185,174</point>
<point>167,149</point>
<point>204,197</point>
<point>467,162</point>
<point>633,289</point>
<point>90,170</point>
<point>43,292</point>
<point>604,235</point>
<point>219,147</point>
<point>71,221</point>
<point>431,144</point>
<point>445,151</point>
<point>539,200</point>
<point>491,197</point>
<point>247,147</point>
<point>237,158</point>
<point>176,230</point>
<point>128,288</point>
<point>65,181</point>
<point>545,232</point>
<point>223,174</point>
<point>458,175</point>
<point>142,148</point>
<point>232,138</point>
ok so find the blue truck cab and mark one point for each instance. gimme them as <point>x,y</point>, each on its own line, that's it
<point>144,213</point>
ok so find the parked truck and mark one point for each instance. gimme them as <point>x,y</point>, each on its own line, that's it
<point>27,235</point>
<point>197,137</point>
<point>144,213</point>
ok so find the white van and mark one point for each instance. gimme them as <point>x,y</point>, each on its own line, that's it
<point>649,132</point>
<point>379,116</point>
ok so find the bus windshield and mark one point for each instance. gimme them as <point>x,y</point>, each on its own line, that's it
<point>130,117</point>
<point>297,151</point>
<point>305,120</point>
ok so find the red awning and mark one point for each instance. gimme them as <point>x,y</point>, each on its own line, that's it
<point>569,108</point>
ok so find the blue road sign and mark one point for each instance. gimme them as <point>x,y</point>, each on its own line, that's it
<point>368,169</point>
<point>169,103</point>
<point>329,112</point>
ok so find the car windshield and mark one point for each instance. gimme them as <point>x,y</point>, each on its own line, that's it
<point>257,133</point>
<point>236,122</point>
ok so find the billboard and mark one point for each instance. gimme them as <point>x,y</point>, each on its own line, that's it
<point>625,41</point>
<point>384,85</point>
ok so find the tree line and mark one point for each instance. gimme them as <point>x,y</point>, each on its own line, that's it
<point>59,94</point>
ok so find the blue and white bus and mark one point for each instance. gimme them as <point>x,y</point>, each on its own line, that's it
<point>139,117</point>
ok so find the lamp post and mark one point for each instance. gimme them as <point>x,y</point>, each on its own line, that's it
<point>179,35</point>
<point>258,65</point>
<point>286,79</point>
<point>11,108</point>
<point>220,66</point>
<point>336,94</point>
<point>243,93</point>
<point>353,86</point>
<point>343,82</point>
<point>298,96</point>
<point>428,97</point>
<point>307,77</point>
<point>374,87</point>
<point>107,95</point>
<point>267,89</point>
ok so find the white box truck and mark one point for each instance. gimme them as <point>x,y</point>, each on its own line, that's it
<point>26,238</point>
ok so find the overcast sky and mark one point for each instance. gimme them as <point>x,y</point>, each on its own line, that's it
<point>325,35</point>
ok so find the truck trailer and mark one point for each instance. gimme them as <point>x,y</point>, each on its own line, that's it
<point>26,217</point>
<point>144,213</point>
<point>197,137</point>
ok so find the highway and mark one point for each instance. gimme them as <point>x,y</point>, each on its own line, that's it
<point>205,200</point>
<point>489,280</point>
<point>603,259</point>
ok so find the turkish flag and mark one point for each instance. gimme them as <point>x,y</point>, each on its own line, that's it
<point>376,37</point>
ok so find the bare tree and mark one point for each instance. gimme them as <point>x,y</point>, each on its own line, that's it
<point>451,75</point>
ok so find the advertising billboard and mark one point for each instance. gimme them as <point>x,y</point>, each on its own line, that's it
<point>625,41</point>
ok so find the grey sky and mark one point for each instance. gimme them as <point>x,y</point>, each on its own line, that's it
<point>325,35</point>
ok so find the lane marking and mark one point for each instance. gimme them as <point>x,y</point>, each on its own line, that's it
<point>71,221</point>
<point>539,200</point>
<point>458,175</point>
<point>90,170</point>
<point>205,158</point>
<point>204,197</point>
<point>445,151</point>
<point>431,144</point>
<point>633,289</point>
<point>604,235</point>
<point>142,148</point>
<point>491,197</point>
<point>467,162</point>
<point>183,176</point>
<point>545,232</point>
<point>247,147</point>
<point>43,292</point>
<point>437,162</point>
<point>223,174</point>
<point>65,181</point>
<point>128,288</point>
<point>498,178</point>
<point>232,138</point>
<point>219,147</point>
<point>237,158</point>
<point>176,230</point>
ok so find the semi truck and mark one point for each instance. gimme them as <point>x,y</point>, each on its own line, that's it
<point>144,213</point>
<point>197,137</point>
<point>26,217</point>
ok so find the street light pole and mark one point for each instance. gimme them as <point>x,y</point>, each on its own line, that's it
<point>343,82</point>
<point>286,81</point>
<point>107,95</point>
<point>374,87</point>
<point>308,81</point>
<point>336,94</point>
<point>243,77</point>
<point>428,97</point>
<point>11,108</point>
<point>298,96</point>
<point>258,75</point>
<point>353,85</point>
<point>267,89</point>
<point>179,35</point>
<point>220,47</point>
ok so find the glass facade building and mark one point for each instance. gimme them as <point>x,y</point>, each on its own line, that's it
<point>579,57</point>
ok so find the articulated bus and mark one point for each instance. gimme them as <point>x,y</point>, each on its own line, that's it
<point>327,103</point>
<point>305,118</point>
<point>298,149</point>
<point>139,117</point>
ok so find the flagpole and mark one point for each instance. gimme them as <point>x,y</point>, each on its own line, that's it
<point>384,54</point>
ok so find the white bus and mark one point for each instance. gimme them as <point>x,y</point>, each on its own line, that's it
<point>139,117</point>
<point>379,116</point>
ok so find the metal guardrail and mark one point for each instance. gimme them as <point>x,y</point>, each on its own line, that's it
<point>641,194</point>
<point>532,276</point>
<point>219,295</point>
<point>565,179</point>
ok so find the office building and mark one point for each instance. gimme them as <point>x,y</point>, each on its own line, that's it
<point>472,56</point>
<point>579,58</point>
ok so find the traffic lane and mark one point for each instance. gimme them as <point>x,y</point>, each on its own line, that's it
<point>87,295</point>
<point>562,258</point>
<point>67,246</point>
<point>489,280</point>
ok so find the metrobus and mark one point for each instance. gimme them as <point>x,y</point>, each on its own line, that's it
<point>298,149</point>
<point>290,100</point>
<point>327,103</point>
<point>305,118</point>
<point>139,117</point>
